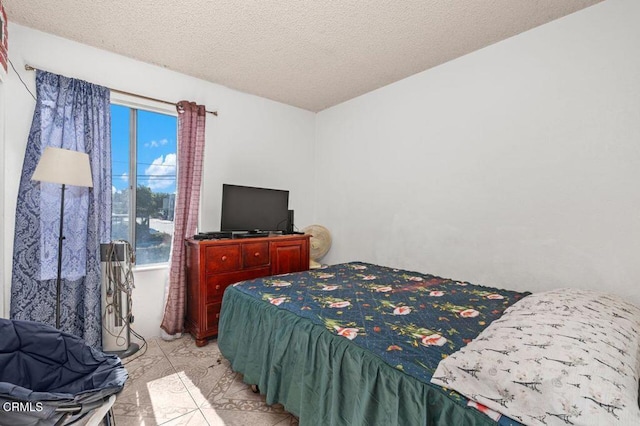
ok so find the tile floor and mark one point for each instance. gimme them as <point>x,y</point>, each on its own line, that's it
<point>176,383</point>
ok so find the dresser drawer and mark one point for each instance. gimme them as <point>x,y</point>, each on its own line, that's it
<point>255,254</point>
<point>215,288</point>
<point>222,258</point>
<point>213,316</point>
<point>216,284</point>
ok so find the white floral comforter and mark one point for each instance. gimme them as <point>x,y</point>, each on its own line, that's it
<point>562,357</point>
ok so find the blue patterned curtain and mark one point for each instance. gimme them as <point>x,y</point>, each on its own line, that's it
<point>70,114</point>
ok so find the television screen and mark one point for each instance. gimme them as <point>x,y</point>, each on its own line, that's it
<point>246,208</point>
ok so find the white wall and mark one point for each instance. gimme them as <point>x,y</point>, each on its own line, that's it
<point>254,141</point>
<point>516,166</point>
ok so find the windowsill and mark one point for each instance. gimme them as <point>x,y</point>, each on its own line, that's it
<point>151,267</point>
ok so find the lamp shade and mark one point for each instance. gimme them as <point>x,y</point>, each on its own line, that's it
<point>64,166</point>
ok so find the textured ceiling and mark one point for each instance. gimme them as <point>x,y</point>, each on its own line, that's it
<point>308,53</point>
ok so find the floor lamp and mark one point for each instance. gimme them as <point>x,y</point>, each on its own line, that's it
<point>65,167</point>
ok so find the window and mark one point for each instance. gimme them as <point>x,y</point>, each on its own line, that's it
<point>143,154</point>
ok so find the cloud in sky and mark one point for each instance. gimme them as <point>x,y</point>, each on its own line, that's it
<point>120,182</point>
<point>161,174</point>
<point>156,144</point>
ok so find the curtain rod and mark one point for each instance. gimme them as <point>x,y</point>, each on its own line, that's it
<point>122,92</point>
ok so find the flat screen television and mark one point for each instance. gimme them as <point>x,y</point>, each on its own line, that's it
<point>247,208</point>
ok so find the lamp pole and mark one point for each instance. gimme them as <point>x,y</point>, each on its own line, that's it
<point>64,167</point>
<point>60,239</point>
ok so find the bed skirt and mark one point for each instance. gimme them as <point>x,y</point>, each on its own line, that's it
<point>325,379</point>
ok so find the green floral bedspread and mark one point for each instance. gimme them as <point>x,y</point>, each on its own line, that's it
<point>410,320</point>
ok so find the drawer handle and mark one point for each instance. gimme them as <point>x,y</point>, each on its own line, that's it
<point>224,258</point>
<point>257,254</point>
<point>218,287</point>
<point>218,315</point>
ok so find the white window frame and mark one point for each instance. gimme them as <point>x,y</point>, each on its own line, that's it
<point>137,103</point>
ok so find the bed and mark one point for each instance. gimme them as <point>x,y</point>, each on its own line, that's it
<point>363,344</point>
